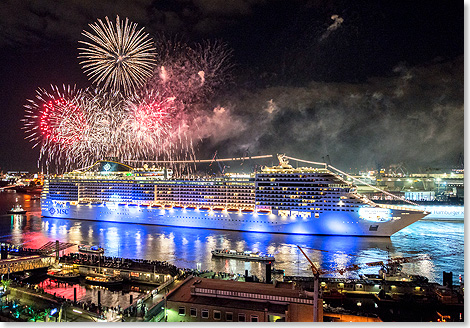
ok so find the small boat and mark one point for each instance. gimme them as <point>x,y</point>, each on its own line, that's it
<point>263,212</point>
<point>177,207</point>
<point>218,209</point>
<point>246,255</point>
<point>90,249</point>
<point>247,211</point>
<point>104,280</point>
<point>63,275</point>
<point>156,206</point>
<point>204,208</point>
<point>17,209</point>
<point>190,207</point>
<point>144,205</point>
<point>233,210</point>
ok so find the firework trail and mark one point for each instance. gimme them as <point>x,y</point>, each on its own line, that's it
<point>190,74</point>
<point>119,56</point>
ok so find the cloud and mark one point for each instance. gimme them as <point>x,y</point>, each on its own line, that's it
<point>227,7</point>
<point>356,124</point>
<point>26,22</point>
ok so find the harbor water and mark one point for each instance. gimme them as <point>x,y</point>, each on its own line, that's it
<point>438,243</point>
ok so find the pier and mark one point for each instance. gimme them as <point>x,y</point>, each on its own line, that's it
<point>137,270</point>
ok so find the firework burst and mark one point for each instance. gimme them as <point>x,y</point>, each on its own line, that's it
<point>134,112</point>
<point>54,116</point>
<point>119,56</point>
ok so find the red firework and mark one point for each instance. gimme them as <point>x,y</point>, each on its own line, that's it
<point>62,121</point>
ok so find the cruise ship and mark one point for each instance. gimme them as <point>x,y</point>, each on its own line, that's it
<point>277,199</point>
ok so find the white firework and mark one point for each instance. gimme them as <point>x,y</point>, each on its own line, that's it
<point>118,56</point>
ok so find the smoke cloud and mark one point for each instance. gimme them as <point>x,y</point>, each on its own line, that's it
<point>337,21</point>
<point>414,116</point>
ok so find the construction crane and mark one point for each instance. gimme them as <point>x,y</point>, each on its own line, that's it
<point>316,277</point>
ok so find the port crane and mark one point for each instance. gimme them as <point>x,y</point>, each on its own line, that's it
<point>316,277</point>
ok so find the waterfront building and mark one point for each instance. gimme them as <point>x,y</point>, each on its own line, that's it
<point>213,300</point>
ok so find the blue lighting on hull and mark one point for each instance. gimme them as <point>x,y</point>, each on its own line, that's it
<point>330,223</point>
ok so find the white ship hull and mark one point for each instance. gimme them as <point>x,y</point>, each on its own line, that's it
<point>328,223</point>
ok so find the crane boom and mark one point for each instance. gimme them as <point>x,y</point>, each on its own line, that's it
<point>316,277</point>
<point>314,268</point>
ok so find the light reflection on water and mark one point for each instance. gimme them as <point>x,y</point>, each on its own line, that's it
<point>89,294</point>
<point>442,242</point>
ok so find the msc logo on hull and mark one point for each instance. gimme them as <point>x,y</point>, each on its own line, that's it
<point>58,211</point>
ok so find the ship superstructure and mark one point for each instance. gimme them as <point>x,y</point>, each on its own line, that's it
<point>279,199</point>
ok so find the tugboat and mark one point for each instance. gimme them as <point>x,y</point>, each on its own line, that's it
<point>247,255</point>
<point>91,249</point>
<point>17,209</point>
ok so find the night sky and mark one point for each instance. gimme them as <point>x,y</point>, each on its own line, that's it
<point>369,83</point>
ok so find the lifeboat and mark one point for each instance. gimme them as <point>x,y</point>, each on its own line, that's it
<point>263,212</point>
<point>144,205</point>
<point>247,211</point>
<point>156,206</point>
<point>219,209</point>
<point>232,210</point>
<point>168,206</point>
<point>177,207</point>
<point>191,207</point>
<point>204,208</point>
